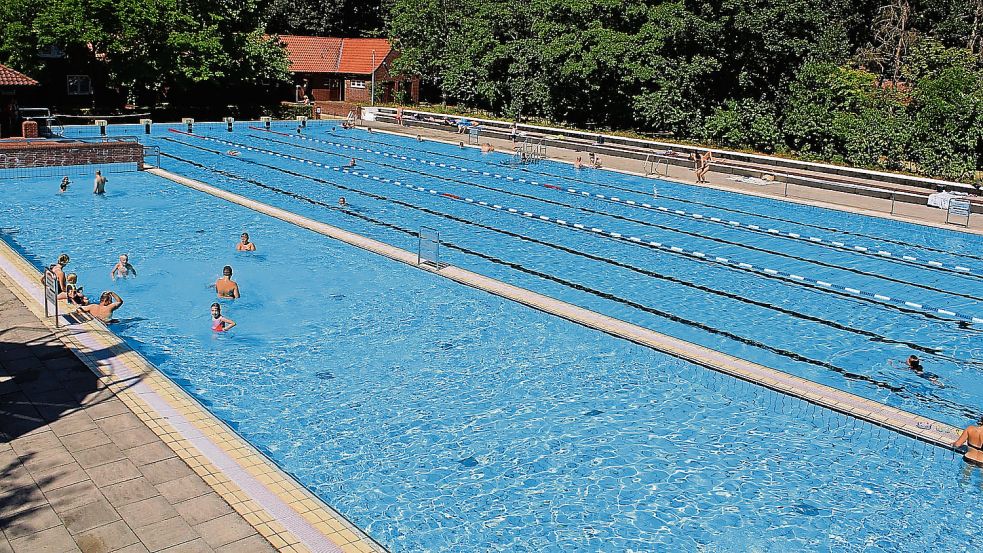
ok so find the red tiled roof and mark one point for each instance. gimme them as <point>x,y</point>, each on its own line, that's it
<point>312,54</point>
<point>357,55</point>
<point>9,77</point>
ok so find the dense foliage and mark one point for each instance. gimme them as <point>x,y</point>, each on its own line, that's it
<point>896,84</point>
<point>143,50</point>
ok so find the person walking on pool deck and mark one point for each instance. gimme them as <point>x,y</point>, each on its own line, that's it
<point>99,184</point>
<point>225,287</point>
<point>108,303</point>
<point>703,166</point>
<point>244,244</point>
<point>220,323</point>
<point>122,268</point>
<point>972,438</point>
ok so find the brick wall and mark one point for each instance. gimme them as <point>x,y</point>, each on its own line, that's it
<point>18,154</point>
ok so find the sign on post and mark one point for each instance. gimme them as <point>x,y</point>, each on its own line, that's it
<point>428,252</point>
<point>51,293</point>
<point>959,209</point>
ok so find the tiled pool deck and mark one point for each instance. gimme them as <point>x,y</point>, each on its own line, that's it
<point>101,452</point>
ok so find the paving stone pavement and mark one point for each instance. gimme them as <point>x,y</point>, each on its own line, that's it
<point>79,472</point>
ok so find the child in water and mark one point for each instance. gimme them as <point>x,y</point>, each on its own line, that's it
<point>122,268</point>
<point>220,323</point>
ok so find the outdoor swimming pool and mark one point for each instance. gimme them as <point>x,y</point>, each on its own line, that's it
<point>779,297</point>
<point>440,418</point>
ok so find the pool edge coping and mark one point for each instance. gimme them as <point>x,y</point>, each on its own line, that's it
<point>909,424</point>
<point>259,490</point>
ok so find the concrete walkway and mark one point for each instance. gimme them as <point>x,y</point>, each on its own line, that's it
<point>79,471</point>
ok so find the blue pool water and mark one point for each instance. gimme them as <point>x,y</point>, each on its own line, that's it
<point>850,341</point>
<point>441,419</point>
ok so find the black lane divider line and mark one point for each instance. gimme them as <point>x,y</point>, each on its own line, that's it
<point>849,375</point>
<point>779,276</point>
<point>639,222</point>
<point>693,202</point>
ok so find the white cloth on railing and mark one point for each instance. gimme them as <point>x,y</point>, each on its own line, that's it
<point>941,199</point>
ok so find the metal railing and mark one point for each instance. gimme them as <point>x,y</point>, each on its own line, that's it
<point>151,151</point>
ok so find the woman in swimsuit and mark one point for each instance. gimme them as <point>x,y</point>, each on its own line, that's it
<point>244,244</point>
<point>220,323</point>
<point>225,286</point>
<point>972,438</point>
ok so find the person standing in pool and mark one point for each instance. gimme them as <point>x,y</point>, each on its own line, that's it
<point>244,244</point>
<point>220,323</point>
<point>225,287</point>
<point>122,268</point>
<point>108,303</point>
<point>972,438</point>
<point>99,184</point>
<point>63,187</point>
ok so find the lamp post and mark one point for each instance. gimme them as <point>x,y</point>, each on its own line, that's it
<point>372,92</point>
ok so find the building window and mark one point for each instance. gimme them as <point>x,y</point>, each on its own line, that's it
<point>357,84</point>
<point>79,85</point>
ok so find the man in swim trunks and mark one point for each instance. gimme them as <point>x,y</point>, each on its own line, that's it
<point>100,184</point>
<point>244,244</point>
<point>122,268</point>
<point>220,323</point>
<point>972,438</point>
<point>108,302</point>
<point>225,287</point>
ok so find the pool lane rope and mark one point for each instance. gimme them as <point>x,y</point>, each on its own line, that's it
<point>850,375</point>
<point>692,202</point>
<point>675,250</point>
<point>873,336</point>
<point>875,252</point>
<point>629,219</point>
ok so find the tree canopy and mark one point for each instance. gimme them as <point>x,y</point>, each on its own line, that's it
<point>896,84</point>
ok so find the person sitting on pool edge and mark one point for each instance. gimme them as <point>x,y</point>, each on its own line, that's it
<point>972,438</point>
<point>73,292</point>
<point>225,287</point>
<point>59,270</point>
<point>108,303</point>
<point>220,323</point>
<point>244,244</point>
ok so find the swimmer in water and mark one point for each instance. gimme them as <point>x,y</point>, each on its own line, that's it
<point>487,147</point>
<point>225,287</point>
<point>108,303</point>
<point>352,163</point>
<point>579,163</point>
<point>63,187</point>
<point>342,202</point>
<point>915,365</point>
<point>972,438</point>
<point>122,268</point>
<point>220,323</point>
<point>233,153</point>
<point>244,244</point>
<point>99,186</point>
